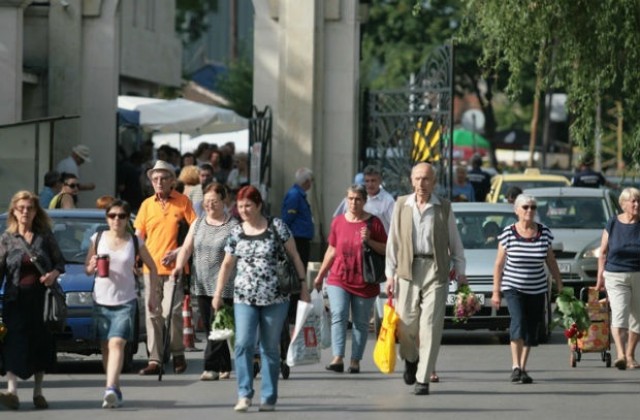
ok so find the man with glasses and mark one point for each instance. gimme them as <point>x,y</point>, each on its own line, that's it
<point>68,195</point>
<point>158,222</point>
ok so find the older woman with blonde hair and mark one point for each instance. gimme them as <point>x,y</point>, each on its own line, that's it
<point>30,261</point>
<point>519,276</point>
<point>619,273</point>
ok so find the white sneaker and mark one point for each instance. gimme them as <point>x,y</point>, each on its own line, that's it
<point>209,375</point>
<point>242,405</point>
<point>112,398</point>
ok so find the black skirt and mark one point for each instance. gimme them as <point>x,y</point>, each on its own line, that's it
<point>29,346</point>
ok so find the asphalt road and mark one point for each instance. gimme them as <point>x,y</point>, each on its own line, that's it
<point>473,366</point>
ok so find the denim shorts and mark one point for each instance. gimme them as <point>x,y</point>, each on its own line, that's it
<point>527,312</point>
<point>114,321</point>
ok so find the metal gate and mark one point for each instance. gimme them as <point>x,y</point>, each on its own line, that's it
<point>413,124</point>
<point>260,150</point>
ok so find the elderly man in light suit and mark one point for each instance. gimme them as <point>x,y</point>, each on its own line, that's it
<point>423,240</point>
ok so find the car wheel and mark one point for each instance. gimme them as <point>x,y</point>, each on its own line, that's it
<point>544,330</point>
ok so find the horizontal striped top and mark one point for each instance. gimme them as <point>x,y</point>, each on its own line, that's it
<point>524,268</point>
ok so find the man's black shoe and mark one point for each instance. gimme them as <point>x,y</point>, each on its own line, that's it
<point>421,389</point>
<point>410,369</point>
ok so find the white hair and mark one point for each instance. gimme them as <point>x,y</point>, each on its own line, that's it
<point>523,199</point>
<point>303,175</point>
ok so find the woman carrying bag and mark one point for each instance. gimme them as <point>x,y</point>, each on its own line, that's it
<point>30,261</point>
<point>114,294</point>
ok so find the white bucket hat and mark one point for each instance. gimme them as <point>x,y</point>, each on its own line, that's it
<point>161,165</point>
<point>82,151</point>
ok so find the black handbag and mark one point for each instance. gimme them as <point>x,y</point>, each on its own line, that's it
<point>372,263</point>
<point>288,280</point>
<point>55,308</point>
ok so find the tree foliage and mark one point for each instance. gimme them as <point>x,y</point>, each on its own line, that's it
<point>589,49</point>
<point>191,20</point>
<point>237,85</point>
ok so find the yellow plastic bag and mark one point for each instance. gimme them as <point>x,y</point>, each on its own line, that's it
<point>384,353</point>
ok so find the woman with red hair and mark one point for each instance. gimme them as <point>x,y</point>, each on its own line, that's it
<point>251,250</point>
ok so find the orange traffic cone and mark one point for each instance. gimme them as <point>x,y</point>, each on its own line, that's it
<point>188,338</point>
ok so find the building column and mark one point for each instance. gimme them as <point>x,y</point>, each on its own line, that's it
<point>11,47</point>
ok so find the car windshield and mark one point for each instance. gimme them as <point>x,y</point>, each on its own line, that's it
<point>480,230</point>
<point>524,185</point>
<point>74,236</point>
<point>572,212</point>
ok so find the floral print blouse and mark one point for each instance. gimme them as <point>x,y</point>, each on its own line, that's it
<point>256,282</point>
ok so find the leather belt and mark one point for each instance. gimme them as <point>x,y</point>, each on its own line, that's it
<point>423,256</point>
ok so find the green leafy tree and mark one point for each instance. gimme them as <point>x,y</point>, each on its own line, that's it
<point>191,20</point>
<point>399,36</point>
<point>237,85</point>
<point>589,49</point>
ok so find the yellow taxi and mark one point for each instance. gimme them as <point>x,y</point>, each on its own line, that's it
<point>531,178</point>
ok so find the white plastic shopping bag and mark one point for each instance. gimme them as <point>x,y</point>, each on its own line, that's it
<point>304,348</point>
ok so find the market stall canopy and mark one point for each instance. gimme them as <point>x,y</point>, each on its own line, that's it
<point>183,116</point>
<point>467,143</point>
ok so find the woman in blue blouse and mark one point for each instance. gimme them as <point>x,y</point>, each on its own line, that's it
<point>619,272</point>
<point>251,249</point>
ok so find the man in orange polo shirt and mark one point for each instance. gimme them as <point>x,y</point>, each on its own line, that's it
<point>157,222</point>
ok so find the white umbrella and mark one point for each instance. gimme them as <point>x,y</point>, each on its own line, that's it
<point>184,116</point>
<point>133,102</point>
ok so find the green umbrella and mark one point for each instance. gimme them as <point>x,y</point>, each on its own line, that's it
<point>466,138</point>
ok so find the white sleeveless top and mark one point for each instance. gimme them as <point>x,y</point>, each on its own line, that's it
<point>120,287</point>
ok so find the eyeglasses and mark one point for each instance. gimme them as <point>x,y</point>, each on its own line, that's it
<point>156,180</point>
<point>120,216</point>
<point>22,209</point>
<point>72,185</point>
<point>527,207</point>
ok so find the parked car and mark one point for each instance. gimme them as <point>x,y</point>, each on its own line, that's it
<point>576,216</point>
<point>73,229</point>
<point>531,178</point>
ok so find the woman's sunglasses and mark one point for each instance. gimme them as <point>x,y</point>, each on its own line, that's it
<point>527,207</point>
<point>120,216</point>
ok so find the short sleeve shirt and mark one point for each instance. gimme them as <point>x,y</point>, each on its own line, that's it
<point>256,281</point>
<point>346,270</point>
<point>524,269</point>
<point>160,224</point>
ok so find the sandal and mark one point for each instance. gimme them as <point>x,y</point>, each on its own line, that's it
<point>434,377</point>
<point>620,363</point>
<point>633,365</point>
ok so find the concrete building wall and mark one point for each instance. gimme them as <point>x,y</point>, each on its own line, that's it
<point>11,42</point>
<point>149,48</point>
<point>306,67</point>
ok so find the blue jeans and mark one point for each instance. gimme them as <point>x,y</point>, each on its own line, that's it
<point>341,301</point>
<point>269,321</point>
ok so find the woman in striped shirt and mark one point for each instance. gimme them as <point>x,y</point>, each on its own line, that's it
<point>523,249</point>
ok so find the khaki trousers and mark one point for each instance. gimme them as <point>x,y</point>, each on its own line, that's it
<point>421,306</point>
<point>155,321</point>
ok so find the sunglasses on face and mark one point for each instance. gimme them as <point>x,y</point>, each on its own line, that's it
<point>120,216</point>
<point>527,207</point>
<point>72,185</point>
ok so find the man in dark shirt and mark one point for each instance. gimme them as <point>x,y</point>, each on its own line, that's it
<point>585,176</point>
<point>479,179</point>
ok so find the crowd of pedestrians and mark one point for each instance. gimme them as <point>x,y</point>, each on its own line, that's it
<point>198,220</point>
